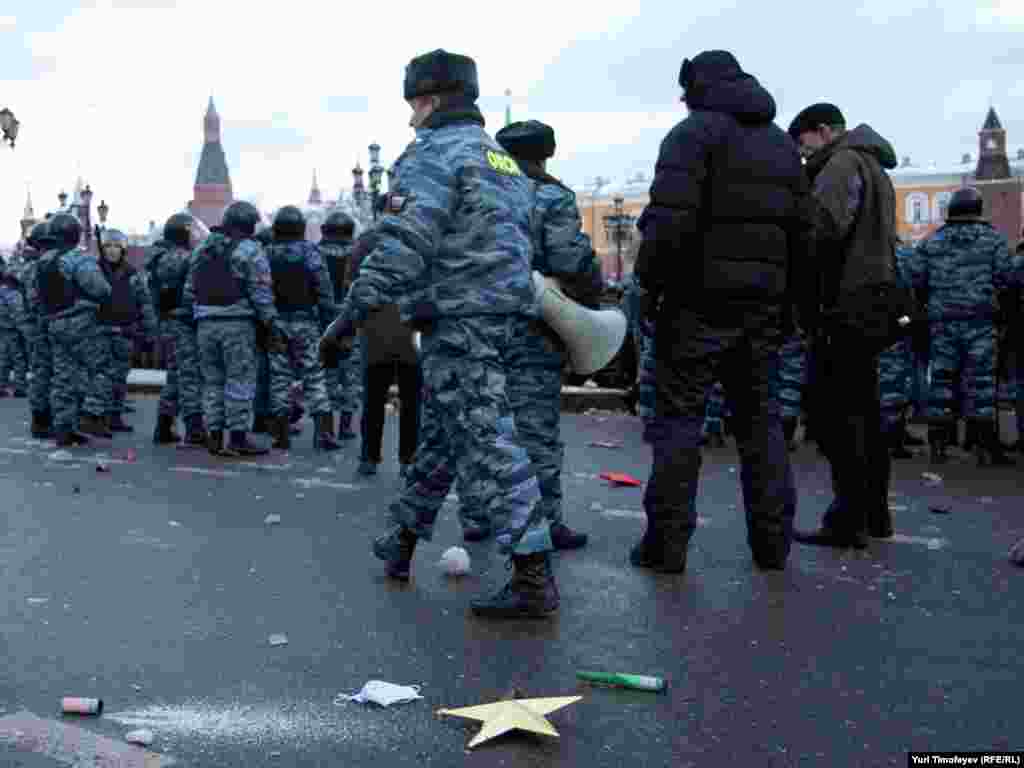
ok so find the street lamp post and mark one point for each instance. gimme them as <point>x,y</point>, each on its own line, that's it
<point>62,198</point>
<point>376,171</point>
<point>103,210</point>
<point>84,215</point>
<point>619,227</point>
<point>9,125</point>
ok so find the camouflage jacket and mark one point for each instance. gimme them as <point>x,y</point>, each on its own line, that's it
<point>455,239</point>
<point>962,270</point>
<point>166,269</point>
<point>249,265</point>
<point>560,247</point>
<point>12,309</point>
<point>308,254</point>
<point>82,268</point>
<point>337,257</point>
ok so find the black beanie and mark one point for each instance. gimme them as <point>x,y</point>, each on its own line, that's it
<point>706,67</point>
<point>814,116</point>
<point>530,140</point>
<point>441,72</point>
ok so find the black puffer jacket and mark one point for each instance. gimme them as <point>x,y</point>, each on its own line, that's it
<point>728,201</point>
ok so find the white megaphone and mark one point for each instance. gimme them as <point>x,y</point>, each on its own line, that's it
<point>593,337</point>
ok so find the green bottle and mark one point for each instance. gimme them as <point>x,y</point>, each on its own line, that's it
<point>619,680</point>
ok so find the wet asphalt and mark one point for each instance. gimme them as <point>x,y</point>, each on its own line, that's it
<point>157,584</point>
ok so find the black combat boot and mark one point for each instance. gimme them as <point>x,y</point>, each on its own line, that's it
<point>896,435</point>
<point>938,437</point>
<point>909,438</point>
<point>531,593</point>
<point>675,544</point>
<point>239,445</point>
<point>323,432</point>
<point>195,432</point>
<point>396,549</point>
<point>261,425</point>
<point>281,430</point>
<point>789,432</point>
<point>94,425</point>
<point>42,427</point>
<point>345,426</point>
<point>68,438</point>
<point>564,537</point>
<point>20,393</point>
<point>117,424</point>
<point>164,432</point>
<point>649,551</point>
<point>215,442</point>
<point>989,450</point>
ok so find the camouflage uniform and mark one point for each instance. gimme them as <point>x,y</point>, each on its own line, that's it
<point>642,329</point>
<point>37,336</point>
<point>454,252</point>
<point>12,325</point>
<point>344,381</point>
<point>129,311</point>
<point>790,381</point>
<point>167,266</point>
<point>227,332</point>
<point>962,268</point>
<point>301,318</point>
<point>75,336</point>
<point>896,365</point>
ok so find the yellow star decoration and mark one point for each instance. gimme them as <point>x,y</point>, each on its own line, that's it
<point>516,714</point>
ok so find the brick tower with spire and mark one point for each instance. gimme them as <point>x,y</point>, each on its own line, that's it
<point>212,191</point>
<point>1003,194</point>
<point>993,162</point>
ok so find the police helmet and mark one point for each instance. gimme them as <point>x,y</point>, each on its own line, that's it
<point>965,202</point>
<point>289,224</point>
<point>65,231</point>
<point>178,230</point>
<point>114,237</point>
<point>240,219</point>
<point>338,226</point>
<point>40,237</point>
<point>264,235</point>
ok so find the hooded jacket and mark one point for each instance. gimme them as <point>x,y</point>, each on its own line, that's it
<point>725,207</point>
<point>854,213</point>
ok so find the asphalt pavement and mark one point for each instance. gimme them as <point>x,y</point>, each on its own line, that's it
<point>156,585</point>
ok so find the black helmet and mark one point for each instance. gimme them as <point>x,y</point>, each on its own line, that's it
<point>289,224</point>
<point>338,226</point>
<point>264,235</point>
<point>40,238</point>
<point>240,219</point>
<point>178,229</point>
<point>965,202</point>
<point>114,237</point>
<point>65,231</point>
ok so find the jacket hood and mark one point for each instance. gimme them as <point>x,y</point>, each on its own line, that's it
<point>863,138</point>
<point>715,82</point>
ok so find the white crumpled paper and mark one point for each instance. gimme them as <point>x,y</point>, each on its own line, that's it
<point>382,693</point>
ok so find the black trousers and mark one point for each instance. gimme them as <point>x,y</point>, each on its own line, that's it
<point>849,426</point>
<point>379,378</point>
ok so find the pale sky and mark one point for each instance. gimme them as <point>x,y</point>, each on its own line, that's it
<point>115,90</point>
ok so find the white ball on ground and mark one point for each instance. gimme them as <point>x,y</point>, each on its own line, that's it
<point>455,561</point>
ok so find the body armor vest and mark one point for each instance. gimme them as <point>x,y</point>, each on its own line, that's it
<point>56,292</point>
<point>293,289</point>
<point>215,283</point>
<point>122,308</point>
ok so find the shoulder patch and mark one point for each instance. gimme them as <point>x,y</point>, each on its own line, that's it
<point>503,163</point>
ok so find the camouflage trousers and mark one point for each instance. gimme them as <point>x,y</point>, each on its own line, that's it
<point>78,353</point>
<point>42,369</point>
<point>964,349</point>
<point>644,335</point>
<point>118,347</point>
<point>792,377</point>
<point>534,387</point>
<point>300,360</point>
<point>182,392</point>
<point>344,382</point>
<point>466,365</point>
<point>13,365</point>
<point>894,374</point>
<point>227,358</point>
<point>715,411</point>
<point>261,401</point>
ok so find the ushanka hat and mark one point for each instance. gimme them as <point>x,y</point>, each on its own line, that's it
<point>529,140</point>
<point>441,72</point>
<point>815,116</point>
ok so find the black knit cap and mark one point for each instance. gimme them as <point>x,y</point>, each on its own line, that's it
<point>529,140</point>
<point>441,72</point>
<point>707,66</point>
<point>815,116</point>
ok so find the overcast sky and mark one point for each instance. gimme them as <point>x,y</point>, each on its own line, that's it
<point>115,90</point>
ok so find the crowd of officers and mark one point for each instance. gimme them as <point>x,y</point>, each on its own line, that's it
<point>748,261</point>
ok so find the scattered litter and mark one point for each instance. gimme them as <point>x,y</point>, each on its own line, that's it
<point>276,640</point>
<point>60,455</point>
<point>732,469</point>
<point>202,471</point>
<point>455,561</point>
<point>595,506</point>
<point>1017,553</point>
<point>620,478</point>
<point>48,484</point>
<point>142,737</point>
<point>130,455</point>
<point>620,680</point>
<point>382,694</point>
<point>272,520</point>
<point>102,467</point>
<point>326,470</point>
<point>931,478</point>
<point>300,495</point>
<point>315,482</point>
<point>76,489</point>
<point>631,514</point>
<point>38,600</point>
<point>73,705</point>
<point>136,688</point>
<point>940,510</point>
<point>898,507</point>
<point>986,500</point>
<point>174,524</point>
<point>604,444</point>
<point>931,542</point>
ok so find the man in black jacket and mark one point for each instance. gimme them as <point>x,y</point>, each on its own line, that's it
<point>720,233</point>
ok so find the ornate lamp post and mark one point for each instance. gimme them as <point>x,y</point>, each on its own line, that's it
<point>358,192</point>
<point>103,210</point>
<point>618,227</point>
<point>9,125</point>
<point>85,214</point>
<point>376,171</point>
<point>63,198</point>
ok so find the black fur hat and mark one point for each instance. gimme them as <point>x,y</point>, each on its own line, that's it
<point>814,116</point>
<point>529,140</point>
<point>441,72</point>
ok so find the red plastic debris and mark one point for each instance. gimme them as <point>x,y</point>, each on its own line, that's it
<point>620,478</point>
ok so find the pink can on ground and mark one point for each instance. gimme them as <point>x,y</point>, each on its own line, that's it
<point>74,705</point>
